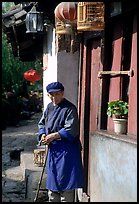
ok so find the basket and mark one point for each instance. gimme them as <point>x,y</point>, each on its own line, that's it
<point>90,16</point>
<point>60,27</point>
<point>39,157</point>
<point>65,28</point>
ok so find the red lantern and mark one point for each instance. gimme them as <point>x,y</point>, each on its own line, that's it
<point>32,75</point>
<point>66,11</point>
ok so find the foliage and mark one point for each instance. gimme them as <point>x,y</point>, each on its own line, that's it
<point>13,69</point>
<point>6,6</point>
<point>117,108</point>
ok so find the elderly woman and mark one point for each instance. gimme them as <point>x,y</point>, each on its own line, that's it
<point>59,128</point>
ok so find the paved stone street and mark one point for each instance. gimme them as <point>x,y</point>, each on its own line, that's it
<point>15,140</point>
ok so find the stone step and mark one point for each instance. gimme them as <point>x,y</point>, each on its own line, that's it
<point>31,175</point>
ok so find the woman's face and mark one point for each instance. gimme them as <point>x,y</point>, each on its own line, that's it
<point>56,97</point>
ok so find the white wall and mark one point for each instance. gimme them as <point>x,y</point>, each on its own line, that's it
<point>49,61</point>
<point>68,74</point>
<point>61,66</point>
<point>113,170</point>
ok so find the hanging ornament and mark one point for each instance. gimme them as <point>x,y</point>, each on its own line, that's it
<point>66,17</point>
<point>66,21</point>
<point>66,11</point>
<point>90,16</point>
<point>32,75</point>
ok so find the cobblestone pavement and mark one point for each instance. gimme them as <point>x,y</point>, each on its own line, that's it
<point>15,140</point>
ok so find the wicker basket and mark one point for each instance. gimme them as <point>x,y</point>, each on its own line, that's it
<point>39,157</point>
<point>90,16</point>
<point>60,27</point>
<point>65,28</point>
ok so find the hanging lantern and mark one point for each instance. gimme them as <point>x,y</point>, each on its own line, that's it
<point>65,17</point>
<point>90,16</point>
<point>34,21</point>
<point>32,75</point>
<point>66,11</point>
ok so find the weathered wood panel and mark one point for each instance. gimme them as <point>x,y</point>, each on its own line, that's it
<point>132,115</point>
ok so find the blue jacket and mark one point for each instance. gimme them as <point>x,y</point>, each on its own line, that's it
<point>64,163</point>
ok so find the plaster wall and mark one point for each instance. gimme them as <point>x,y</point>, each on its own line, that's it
<point>68,74</point>
<point>113,170</point>
<point>62,66</point>
<point>50,62</point>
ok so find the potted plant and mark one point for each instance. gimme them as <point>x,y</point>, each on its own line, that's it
<point>118,110</point>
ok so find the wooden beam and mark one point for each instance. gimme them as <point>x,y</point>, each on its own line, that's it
<point>130,73</point>
<point>20,14</point>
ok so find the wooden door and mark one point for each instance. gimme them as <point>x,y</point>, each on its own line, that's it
<point>89,106</point>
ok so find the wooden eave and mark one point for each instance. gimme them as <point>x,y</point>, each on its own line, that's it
<point>26,46</point>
